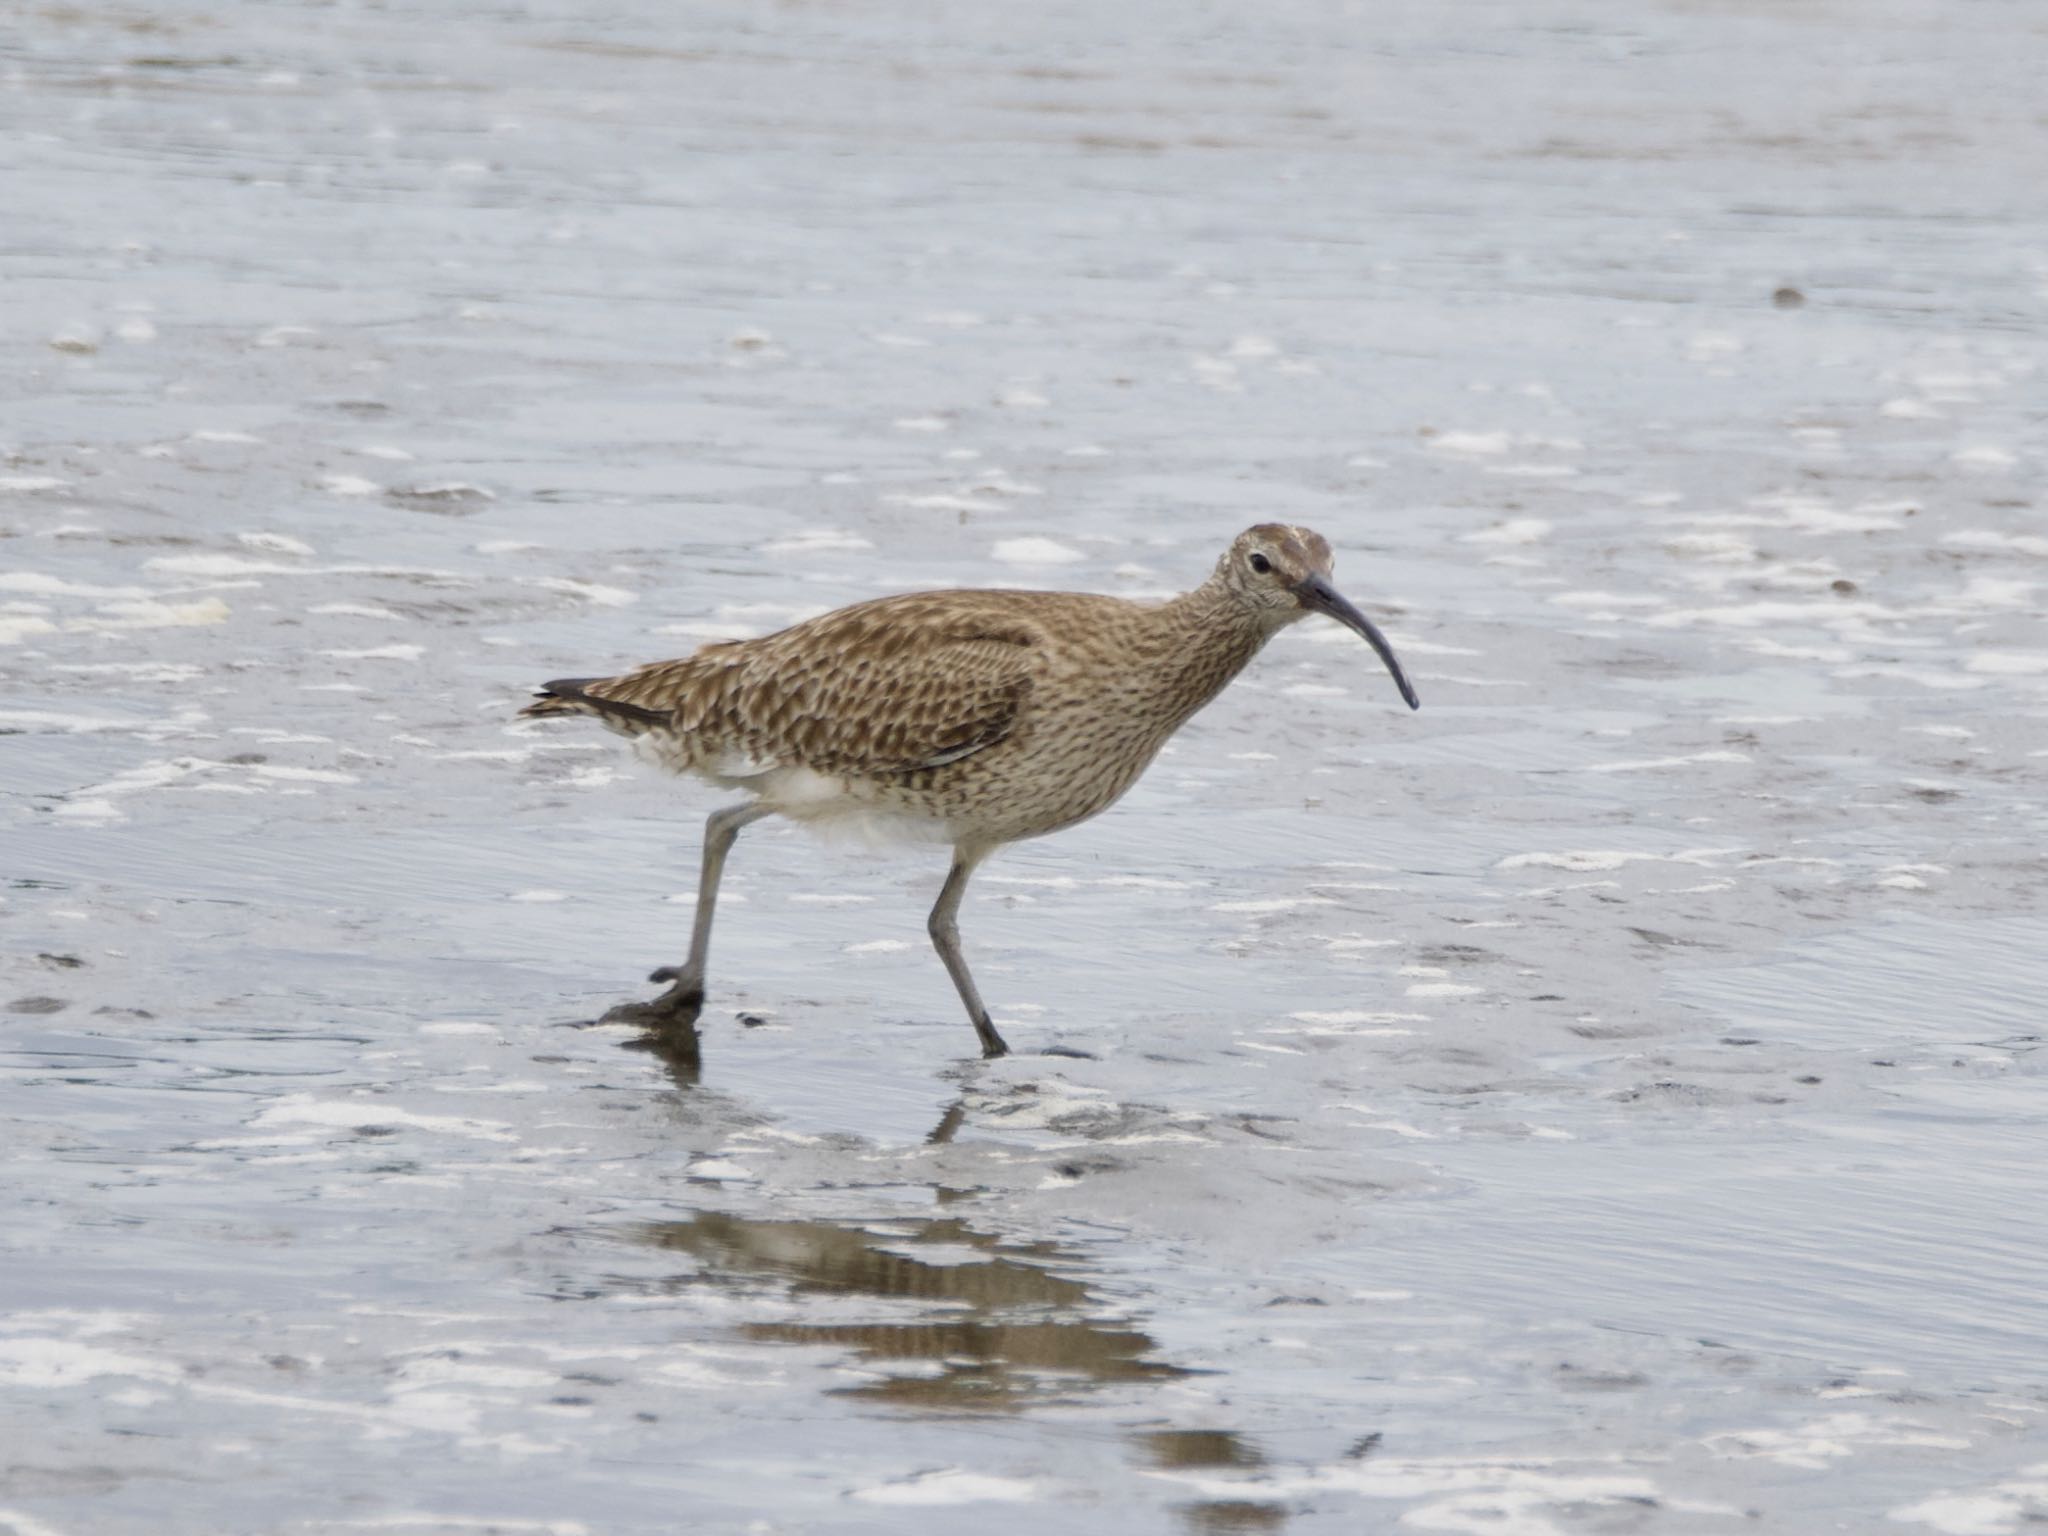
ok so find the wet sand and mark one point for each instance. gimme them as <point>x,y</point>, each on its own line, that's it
<point>1605,1101</point>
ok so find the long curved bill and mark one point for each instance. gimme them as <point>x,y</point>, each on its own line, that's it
<point>1318,596</point>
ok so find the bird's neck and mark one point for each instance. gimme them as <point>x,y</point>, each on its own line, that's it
<point>1205,638</point>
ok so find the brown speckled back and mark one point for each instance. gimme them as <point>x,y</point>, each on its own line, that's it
<point>994,715</point>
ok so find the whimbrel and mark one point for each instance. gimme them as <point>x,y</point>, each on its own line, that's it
<point>972,718</point>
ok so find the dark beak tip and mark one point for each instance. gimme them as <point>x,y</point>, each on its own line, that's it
<point>1318,596</point>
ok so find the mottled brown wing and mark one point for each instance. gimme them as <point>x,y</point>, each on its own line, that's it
<point>888,687</point>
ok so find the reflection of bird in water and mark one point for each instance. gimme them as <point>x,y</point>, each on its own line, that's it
<point>1004,1330</point>
<point>969,718</point>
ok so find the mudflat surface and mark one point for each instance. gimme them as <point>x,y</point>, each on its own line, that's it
<point>1608,1100</point>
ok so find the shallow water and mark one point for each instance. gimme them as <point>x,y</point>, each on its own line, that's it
<point>1607,1100</point>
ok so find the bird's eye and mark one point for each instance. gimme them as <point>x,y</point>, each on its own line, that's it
<point>1261,564</point>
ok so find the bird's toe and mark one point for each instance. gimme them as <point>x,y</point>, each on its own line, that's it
<point>676,1008</point>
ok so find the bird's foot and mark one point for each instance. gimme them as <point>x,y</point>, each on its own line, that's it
<point>670,1019</point>
<point>992,1044</point>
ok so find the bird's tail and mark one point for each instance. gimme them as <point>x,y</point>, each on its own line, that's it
<point>583,696</point>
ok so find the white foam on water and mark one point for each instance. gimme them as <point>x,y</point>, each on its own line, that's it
<point>380,653</point>
<point>1982,591</point>
<point>97,802</point>
<point>589,591</point>
<point>1514,531</point>
<point>1987,538</point>
<point>58,723</point>
<point>1764,645</point>
<point>997,481</point>
<point>1035,551</point>
<point>1500,1496</point>
<point>1814,1445</point>
<point>418,1520</point>
<point>1608,600</point>
<point>709,629</point>
<point>1721,547</point>
<point>149,613</point>
<point>1800,514</point>
<point>75,809</point>
<point>2001,1510</point>
<point>1836,613</point>
<point>1648,764</point>
<point>1706,344</point>
<point>1470,444</point>
<point>1275,904</point>
<point>2009,663</point>
<point>283,771</point>
<point>1357,1016</point>
<point>277,543</point>
<point>875,947</point>
<point>237,565</point>
<point>764,614</point>
<point>940,502</point>
<point>444,490</point>
<point>1589,860</point>
<point>357,611</point>
<point>952,1485</point>
<point>305,1109</point>
<point>140,671</point>
<point>1988,457</point>
<point>42,584</point>
<point>1925,677</point>
<point>1534,471</point>
<point>25,1525</point>
<point>439,1369</point>
<point>349,485</point>
<point>813,541</point>
<point>47,1362</point>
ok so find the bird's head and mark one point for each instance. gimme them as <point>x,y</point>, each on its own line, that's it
<point>1281,573</point>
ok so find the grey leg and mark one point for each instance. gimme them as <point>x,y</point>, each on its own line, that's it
<point>720,831</point>
<point>945,931</point>
<point>675,1012</point>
